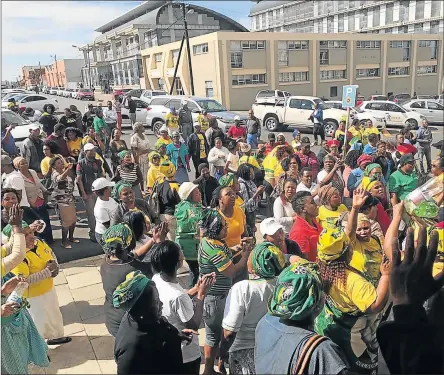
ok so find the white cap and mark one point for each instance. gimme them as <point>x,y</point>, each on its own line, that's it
<point>101,183</point>
<point>184,102</point>
<point>270,226</point>
<point>186,189</point>
<point>89,147</point>
<point>281,134</point>
<point>236,118</point>
<point>34,126</point>
<point>164,129</point>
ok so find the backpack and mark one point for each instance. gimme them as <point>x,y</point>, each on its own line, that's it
<point>153,201</point>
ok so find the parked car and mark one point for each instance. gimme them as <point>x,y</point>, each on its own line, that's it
<point>9,91</point>
<point>34,101</point>
<point>441,99</point>
<point>433,97</point>
<point>359,100</point>
<point>377,97</point>
<point>160,106</point>
<point>271,96</point>
<point>22,126</point>
<point>431,109</point>
<point>53,91</point>
<point>393,113</point>
<point>377,119</point>
<point>148,95</point>
<point>67,93</point>
<point>333,104</point>
<point>120,92</point>
<point>60,91</point>
<point>295,112</point>
<point>399,98</point>
<point>74,93</point>
<point>135,93</point>
<point>85,94</point>
<point>141,110</point>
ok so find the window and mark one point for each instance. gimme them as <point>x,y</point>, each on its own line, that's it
<point>436,8</point>
<point>376,16</point>
<point>433,44</point>
<point>389,14</point>
<point>141,104</point>
<point>179,87</point>
<point>297,44</point>
<point>236,59</point>
<point>405,45</point>
<point>158,57</point>
<point>341,23</point>
<point>323,56</point>
<point>399,71</point>
<point>161,84</point>
<point>393,108</point>
<point>419,10</point>
<point>371,72</point>
<point>200,49</point>
<point>375,106</point>
<point>333,44</point>
<point>248,79</point>
<point>293,77</point>
<point>282,54</point>
<point>209,92</point>
<point>436,106</point>
<point>418,105</point>
<point>252,44</point>
<point>368,44</point>
<point>426,69</point>
<point>333,91</point>
<point>328,75</point>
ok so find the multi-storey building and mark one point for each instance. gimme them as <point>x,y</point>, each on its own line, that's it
<point>232,67</point>
<point>64,73</point>
<point>359,16</point>
<point>113,58</point>
<point>34,75</point>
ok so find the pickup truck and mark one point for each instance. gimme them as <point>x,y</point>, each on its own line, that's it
<point>295,112</point>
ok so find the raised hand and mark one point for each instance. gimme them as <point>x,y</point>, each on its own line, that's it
<point>359,198</point>
<point>15,215</point>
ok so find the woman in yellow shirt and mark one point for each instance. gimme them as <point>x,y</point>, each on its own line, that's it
<point>272,163</point>
<point>49,149</point>
<point>154,174</point>
<point>230,180</point>
<point>74,137</point>
<point>164,137</point>
<point>332,207</point>
<point>39,268</point>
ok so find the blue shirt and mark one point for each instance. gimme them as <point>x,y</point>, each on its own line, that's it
<point>369,149</point>
<point>8,144</point>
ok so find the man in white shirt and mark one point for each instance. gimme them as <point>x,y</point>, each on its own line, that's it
<point>104,206</point>
<point>110,116</point>
<point>13,179</point>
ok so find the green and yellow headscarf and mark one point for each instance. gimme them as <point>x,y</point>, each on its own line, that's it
<point>298,292</point>
<point>123,153</point>
<point>152,154</point>
<point>118,187</point>
<point>267,260</point>
<point>332,244</point>
<point>226,180</point>
<point>367,183</point>
<point>117,239</point>
<point>128,292</point>
<point>370,167</point>
<point>168,169</point>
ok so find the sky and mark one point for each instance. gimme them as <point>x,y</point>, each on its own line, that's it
<point>33,31</point>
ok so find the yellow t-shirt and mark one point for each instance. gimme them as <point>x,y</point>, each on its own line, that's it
<point>74,147</point>
<point>44,164</point>
<point>172,121</point>
<point>154,175</point>
<point>367,257</point>
<point>35,262</point>
<point>357,295</point>
<point>355,132</point>
<point>236,227</point>
<point>204,122</point>
<point>367,132</point>
<point>160,141</point>
<point>203,154</point>
<point>239,202</point>
<point>327,218</point>
<point>249,160</point>
<point>3,266</point>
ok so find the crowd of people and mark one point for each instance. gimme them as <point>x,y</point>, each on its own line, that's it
<point>336,278</point>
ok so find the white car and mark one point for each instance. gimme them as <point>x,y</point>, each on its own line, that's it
<point>394,114</point>
<point>377,119</point>
<point>141,111</point>
<point>333,104</point>
<point>22,126</point>
<point>34,101</point>
<point>8,91</point>
<point>148,95</point>
<point>60,91</point>
<point>431,109</point>
<point>53,91</point>
<point>74,93</point>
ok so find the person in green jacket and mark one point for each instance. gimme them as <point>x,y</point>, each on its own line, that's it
<point>101,129</point>
<point>188,213</point>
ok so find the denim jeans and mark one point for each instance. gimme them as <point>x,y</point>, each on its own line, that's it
<point>213,315</point>
<point>252,140</point>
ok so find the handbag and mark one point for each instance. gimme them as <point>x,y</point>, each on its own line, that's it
<point>305,355</point>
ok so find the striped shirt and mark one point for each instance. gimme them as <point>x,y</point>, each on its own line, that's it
<point>129,176</point>
<point>215,256</point>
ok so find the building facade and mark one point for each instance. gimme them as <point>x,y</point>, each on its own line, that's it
<point>34,75</point>
<point>114,58</point>
<point>232,67</point>
<point>65,73</point>
<point>359,16</point>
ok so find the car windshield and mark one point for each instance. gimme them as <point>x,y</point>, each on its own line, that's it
<point>84,90</point>
<point>17,97</point>
<point>379,97</point>
<point>158,93</point>
<point>402,96</point>
<point>9,117</point>
<point>211,105</point>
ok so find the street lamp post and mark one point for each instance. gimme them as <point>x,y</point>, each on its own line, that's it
<point>89,63</point>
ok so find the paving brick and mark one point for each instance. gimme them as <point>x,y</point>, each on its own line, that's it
<point>90,309</point>
<point>88,293</point>
<point>83,279</point>
<point>95,327</point>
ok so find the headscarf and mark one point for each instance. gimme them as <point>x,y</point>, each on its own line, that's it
<point>326,192</point>
<point>267,260</point>
<point>123,153</point>
<point>200,167</point>
<point>333,142</point>
<point>117,239</point>
<point>211,223</point>
<point>159,145</point>
<point>298,292</point>
<point>7,230</point>
<point>370,167</point>
<point>363,218</point>
<point>152,154</point>
<point>17,161</point>
<point>364,160</point>
<point>332,244</point>
<point>137,126</point>
<point>168,169</point>
<point>367,183</point>
<point>226,180</point>
<point>127,293</point>
<point>118,187</point>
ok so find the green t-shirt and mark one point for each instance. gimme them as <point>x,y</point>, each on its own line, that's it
<point>188,215</point>
<point>215,256</point>
<point>402,184</point>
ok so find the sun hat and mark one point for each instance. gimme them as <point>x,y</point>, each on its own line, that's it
<point>270,226</point>
<point>186,189</point>
<point>332,244</point>
<point>245,147</point>
<point>102,183</point>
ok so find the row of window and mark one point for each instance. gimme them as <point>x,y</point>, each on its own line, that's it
<point>200,49</point>
<point>371,72</point>
<point>247,44</point>
<point>333,43</point>
<point>428,43</point>
<point>400,44</point>
<point>426,69</point>
<point>399,71</point>
<point>327,75</point>
<point>293,77</point>
<point>369,44</point>
<point>248,79</point>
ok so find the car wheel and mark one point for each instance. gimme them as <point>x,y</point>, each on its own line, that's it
<point>330,128</point>
<point>271,123</point>
<point>156,127</point>
<point>412,123</point>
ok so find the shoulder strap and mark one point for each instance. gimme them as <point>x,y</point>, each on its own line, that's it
<point>307,351</point>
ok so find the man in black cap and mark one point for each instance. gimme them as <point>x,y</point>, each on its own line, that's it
<point>403,181</point>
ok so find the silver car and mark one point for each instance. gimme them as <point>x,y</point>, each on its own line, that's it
<point>160,106</point>
<point>431,109</point>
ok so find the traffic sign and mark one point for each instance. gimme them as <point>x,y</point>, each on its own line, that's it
<point>349,95</point>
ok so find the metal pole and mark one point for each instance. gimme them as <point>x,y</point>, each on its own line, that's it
<point>346,131</point>
<point>89,68</point>
<point>41,75</point>
<point>177,64</point>
<point>57,70</point>
<point>185,23</point>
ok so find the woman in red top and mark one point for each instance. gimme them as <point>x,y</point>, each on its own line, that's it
<point>306,230</point>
